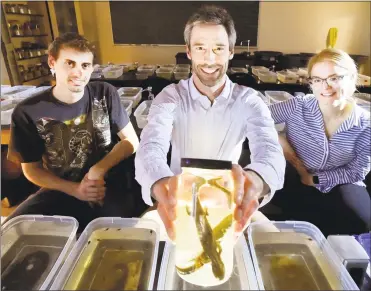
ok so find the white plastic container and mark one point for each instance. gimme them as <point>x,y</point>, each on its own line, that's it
<point>32,92</point>
<point>133,94</point>
<point>128,106</point>
<point>288,78</point>
<point>141,113</point>
<point>113,72</point>
<point>14,92</point>
<point>165,73</point>
<point>37,242</point>
<point>256,69</point>
<point>364,80</point>
<point>267,76</point>
<point>275,97</point>
<point>243,277</point>
<point>363,96</point>
<point>236,70</point>
<point>181,73</point>
<point>107,239</point>
<point>6,113</point>
<point>183,66</point>
<point>297,257</point>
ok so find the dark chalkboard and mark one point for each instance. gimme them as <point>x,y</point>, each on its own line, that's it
<point>162,22</point>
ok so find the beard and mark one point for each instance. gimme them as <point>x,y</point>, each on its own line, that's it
<point>210,80</point>
<point>77,89</point>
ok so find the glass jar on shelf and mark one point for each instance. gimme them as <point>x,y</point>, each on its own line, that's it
<point>22,8</point>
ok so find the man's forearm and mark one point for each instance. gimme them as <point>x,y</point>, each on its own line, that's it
<point>45,179</point>
<point>290,155</point>
<point>119,152</point>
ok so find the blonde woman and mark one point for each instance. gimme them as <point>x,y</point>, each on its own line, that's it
<point>327,146</point>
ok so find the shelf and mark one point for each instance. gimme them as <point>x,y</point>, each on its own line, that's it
<point>38,15</point>
<point>25,36</point>
<point>36,78</point>
<point>37,57</point>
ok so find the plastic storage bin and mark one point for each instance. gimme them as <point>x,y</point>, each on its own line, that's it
<point>141,113</point>
<point>113,72</point>
<point>297,257</point>
<point>243,277</point>
<point>363,96</point>
<point>275,97</point>
<point>108,249</point>
<point>364,104</point>
<point>288,78</point>
<point>256,69</point>
<point>181,73</point>
<point>236,70</point>
<point>183,66</point>
<point>32,92</point>
<point>33,248</point>
<point>168,66</point>
<point>14,92</point>
<point>128,106</point>
<point>364,80</point>
<point>165,73</point>
<point>267,76</point>
<point>131,94</point>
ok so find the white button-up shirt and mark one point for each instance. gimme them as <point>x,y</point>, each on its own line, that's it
<point>180,114</point>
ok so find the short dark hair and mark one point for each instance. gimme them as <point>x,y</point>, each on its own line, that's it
<point>70,40</point>
<point>211,14</point>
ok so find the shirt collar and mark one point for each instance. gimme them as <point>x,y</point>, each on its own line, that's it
<point>195,94</point>
<point>354,118</point>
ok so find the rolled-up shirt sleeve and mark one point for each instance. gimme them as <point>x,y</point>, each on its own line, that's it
<point>151,157</point>
<point>267,157</point>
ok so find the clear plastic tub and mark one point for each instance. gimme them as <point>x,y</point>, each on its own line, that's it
<point>141,75</point>
<point>181,73</point>
<point>6,114</point>
<point>297,257</point>
<point>131,93</point>
<point>278,96</point>
<point>32,92</point>
<point>168,66</point>
<point>301,72</point>
<point>275,97</point>
<point>141,113</point>
<point>113,72</point>
<point>363,96</point>
<point>364,80</point>
<point>112,254</point>
<point>236,70</point>
<point>33,247</point>
<point>288,78</point>
<point>267,76</point>
<point>243,276</point>
<point>364,104</point>
<point>256,69</point>
<point>128,106</point>
<point>165,73</point>
<point>14,92</point>
<point>183,66</point>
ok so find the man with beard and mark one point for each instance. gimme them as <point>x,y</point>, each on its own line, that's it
<point>209,117</point>
<point>71,139</point>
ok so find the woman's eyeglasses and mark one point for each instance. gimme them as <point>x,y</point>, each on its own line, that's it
<point>331,81</point>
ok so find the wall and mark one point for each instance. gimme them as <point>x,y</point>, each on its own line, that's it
<point>283,26</point>
<point>4,73</point>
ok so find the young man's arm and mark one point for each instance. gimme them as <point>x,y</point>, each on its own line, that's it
<point>86,190</point>
<point>123,149</point>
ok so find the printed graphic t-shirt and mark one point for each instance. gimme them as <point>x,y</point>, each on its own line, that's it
<point>68,138</point>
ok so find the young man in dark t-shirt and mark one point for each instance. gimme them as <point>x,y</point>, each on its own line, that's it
<point>70,137</point>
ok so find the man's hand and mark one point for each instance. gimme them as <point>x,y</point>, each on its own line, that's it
<point>164,191</point>
<point>249,187</point>
<point>89,190</point>
<point>96,173</point>
<point>307,179</point>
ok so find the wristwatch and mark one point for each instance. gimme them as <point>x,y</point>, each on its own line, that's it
<point>315,180</point>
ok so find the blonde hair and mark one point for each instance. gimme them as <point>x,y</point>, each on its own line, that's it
<point>340,59</point>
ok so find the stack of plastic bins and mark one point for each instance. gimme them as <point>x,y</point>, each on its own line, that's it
<point>165,72</point>
<point>267,76</point>
<point>256,69</point>
<point>133,94</point>
<point>182,71</point>
<point>243,276</point>
<point>141,113</point>
<point>237,70</point>
<point>33,248</point>
<point>113,72</point>
<point>145,71</point>
<point>295,257</point>
<point>287,77</point>
<point>276,97</point>
<point>112,254</point>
